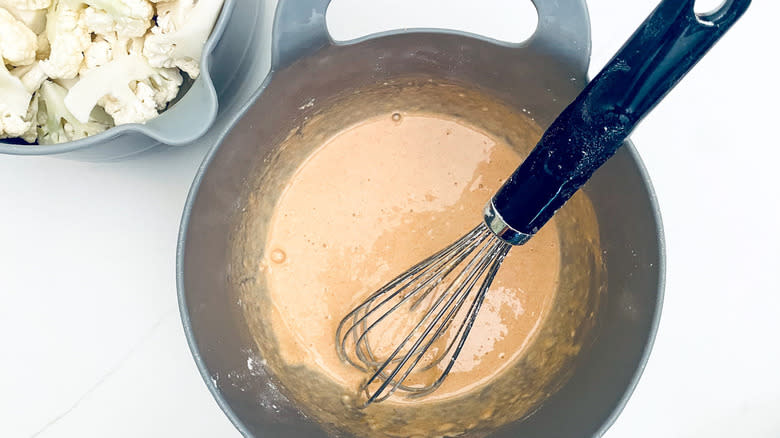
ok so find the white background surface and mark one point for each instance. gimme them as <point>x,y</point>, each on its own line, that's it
<point>90,339</point>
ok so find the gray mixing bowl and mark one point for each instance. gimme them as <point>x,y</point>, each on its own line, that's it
<point>541,75</point>
<point>189,118</point>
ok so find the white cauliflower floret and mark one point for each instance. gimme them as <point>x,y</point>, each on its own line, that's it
<point>18,43</point>
<point>128,18</point>
<point>181,32</point>
<point>25,5</point>
<point>44,49</point>
<point>35,20</point>
<point>172,14</point>
<point>69,38</point>
<point>30,12</point>
<point>15,117</point>
<point>32,76</point>
<point>31,134</point>
<point>99,22</point>
<point>56,124</point>
<point>97,54</point>
<point>165,84</point>
<point>131,105</point>
<point>103,48</point>
<point>130,90</point>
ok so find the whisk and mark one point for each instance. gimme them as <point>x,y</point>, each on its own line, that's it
<point>407,335</point>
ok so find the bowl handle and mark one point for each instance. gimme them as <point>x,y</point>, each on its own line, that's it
<point>563,31</point>
<point>299,29</point>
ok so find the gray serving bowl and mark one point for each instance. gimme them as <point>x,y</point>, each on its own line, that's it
<point>196,108</point>
<point>541,75</point>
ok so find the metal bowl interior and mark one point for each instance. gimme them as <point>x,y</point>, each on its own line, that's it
<point>527,78</point>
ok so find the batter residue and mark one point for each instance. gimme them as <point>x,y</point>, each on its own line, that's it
<point>371,202</point>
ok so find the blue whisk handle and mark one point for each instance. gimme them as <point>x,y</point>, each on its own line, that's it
<point>591,129</point>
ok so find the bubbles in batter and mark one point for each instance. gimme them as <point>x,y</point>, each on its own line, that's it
<point>278,256</point>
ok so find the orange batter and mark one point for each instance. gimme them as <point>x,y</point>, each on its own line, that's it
<point>371,202</point>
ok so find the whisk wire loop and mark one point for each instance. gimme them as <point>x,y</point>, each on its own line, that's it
<point>429,265</point>
<point>425,301</point>
<point>416,352</point>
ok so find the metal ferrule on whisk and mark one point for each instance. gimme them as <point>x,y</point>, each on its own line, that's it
<point>501,229</point>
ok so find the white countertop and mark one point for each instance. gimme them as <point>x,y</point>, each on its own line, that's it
<point>92,345</point>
